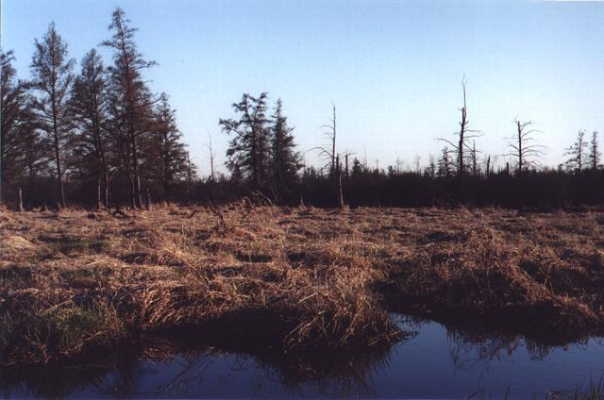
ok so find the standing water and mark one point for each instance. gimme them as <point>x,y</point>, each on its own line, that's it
<point>431,362</point>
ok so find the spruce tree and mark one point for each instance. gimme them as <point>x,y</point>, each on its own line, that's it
<point>90,111</point>
<point>52,77</point>
<point>576,153</point>
<point>130,101</point>
<point>168,156</point>
<point>444,164</point>
<point>594,152</point>
<point>17,128</point>
<point>285,161</point>
<point>249,150</point>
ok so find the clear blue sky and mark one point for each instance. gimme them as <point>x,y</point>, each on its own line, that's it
<point>393,68</point>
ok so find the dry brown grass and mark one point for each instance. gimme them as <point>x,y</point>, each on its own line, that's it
<point>76,281</point>
<point>294,279</point>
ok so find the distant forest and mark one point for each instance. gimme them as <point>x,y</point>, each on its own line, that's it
<point>99,137</point>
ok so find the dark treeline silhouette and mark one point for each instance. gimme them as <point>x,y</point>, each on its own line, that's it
<point>540,190</point>
<point>100,137</point>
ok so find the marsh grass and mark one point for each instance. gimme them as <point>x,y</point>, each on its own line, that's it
<point>292,279</point>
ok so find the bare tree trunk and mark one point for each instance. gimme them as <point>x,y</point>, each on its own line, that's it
<point>1,156</point>
<point>98,193</point>
<point>137,178</point>
<point>520,151</point>
<point>254,159</point>
<point>148,199</point>
<point>103,174</point>
<point>108,193</point>
<point>462,131</point>
<point>21,208</point>
<point>132,191</point>
<point>212,177</point>
<point>333,141</point>
<point>105,188</point>
<point>346,165</point>
<point>55,131</point>
<point>474,160</point>
<point>59,176</point>
<point>61,189</point>
<point>338,178</point>
<point>340,191</point>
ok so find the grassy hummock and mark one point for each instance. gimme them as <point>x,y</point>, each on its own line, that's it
<point>291,280</point>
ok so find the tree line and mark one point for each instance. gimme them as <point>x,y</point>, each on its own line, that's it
<point>101,137</point>
<point>101,132</point>
<point>460,175</point>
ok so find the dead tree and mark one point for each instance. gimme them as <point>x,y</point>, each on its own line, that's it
<point>331,151</point>
<point>523,148</point>
<point>211,150</point>
<point>465,134</point>
<point>332,135</point>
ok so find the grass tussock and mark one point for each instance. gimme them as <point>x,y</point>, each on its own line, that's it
<point>72,284</point>
<point>289,279</point>
<point>530,276</point>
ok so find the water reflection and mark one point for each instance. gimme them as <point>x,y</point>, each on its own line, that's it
<point>434,362</point>
<point>165,368</point>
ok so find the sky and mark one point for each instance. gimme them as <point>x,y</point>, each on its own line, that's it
<point>393,69</point>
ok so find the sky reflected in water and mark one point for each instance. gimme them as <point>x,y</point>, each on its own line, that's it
<point>433,362</point>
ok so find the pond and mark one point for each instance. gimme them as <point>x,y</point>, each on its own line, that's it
<point>433,361</point>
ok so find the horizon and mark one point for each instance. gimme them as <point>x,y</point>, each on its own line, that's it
<point>396,86</point>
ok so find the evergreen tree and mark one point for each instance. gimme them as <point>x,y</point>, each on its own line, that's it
<point>594,152</point>
<point>130,101</point>
<point>576,153</point>
<point>430,170</point>
<point>52,78</point>
<point>444,164</point>
<point>90,111</point>
<point>286,162</point>
<point>474,160</point>
<point>357,168</point>
<point>236,177</point>
<point>167,156</point>
<point>249,150</point>
<point>17,128</point>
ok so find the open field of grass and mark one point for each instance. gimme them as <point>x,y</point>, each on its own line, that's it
<point>291,279</point>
